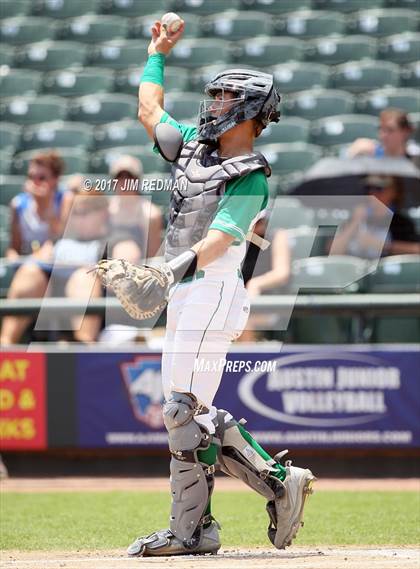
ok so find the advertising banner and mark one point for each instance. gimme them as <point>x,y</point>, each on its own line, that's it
<point>308,397</point>
<point>22,401</point>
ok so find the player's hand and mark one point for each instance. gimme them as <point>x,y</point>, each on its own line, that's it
<point>161,41</point>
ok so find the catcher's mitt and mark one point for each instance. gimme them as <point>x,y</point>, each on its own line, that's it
<point>141,289</point>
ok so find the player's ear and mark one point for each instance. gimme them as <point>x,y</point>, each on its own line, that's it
<point>168,140</point>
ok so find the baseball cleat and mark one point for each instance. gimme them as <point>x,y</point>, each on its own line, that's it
<point>164,543</point>
<point>286,513</point>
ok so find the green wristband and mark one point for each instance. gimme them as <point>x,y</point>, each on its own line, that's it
<point>154,69</point>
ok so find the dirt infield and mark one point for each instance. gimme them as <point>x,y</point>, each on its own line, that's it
<point>228,558</point>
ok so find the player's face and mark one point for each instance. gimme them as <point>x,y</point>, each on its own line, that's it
<point>223,102</point>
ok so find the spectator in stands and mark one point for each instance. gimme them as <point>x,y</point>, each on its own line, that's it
<point>367,228</point>
<point>394,133</point>
<point>135,222</point>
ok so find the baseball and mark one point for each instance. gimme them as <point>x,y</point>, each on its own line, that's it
<point>171,22</point>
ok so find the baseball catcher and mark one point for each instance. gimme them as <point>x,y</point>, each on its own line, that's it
<point>222,191</point>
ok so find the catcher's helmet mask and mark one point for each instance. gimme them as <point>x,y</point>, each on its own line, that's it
<point>255,98</point>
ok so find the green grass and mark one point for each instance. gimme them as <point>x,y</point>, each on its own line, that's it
<point>111,520</point>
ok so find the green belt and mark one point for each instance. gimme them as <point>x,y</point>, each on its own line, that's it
<point>200,274</point>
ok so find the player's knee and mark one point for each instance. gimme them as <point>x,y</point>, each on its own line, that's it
<point>178,416</point>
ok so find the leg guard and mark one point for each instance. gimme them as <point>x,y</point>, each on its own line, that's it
<point>191,481</point>
<point>237,458</point>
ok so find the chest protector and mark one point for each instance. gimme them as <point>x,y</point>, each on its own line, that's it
<point>197,191</point>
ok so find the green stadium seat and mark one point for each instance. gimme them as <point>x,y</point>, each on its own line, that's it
<point>13,8</point>
<point>201,7</point>
<point>359,76</point>
<point>376,101</point>
<point>288,213</point>
<point>289,129</point>
<point>140,27</point>
<point>4,244</point>
<point>343,129</point>
<point>195,53</point>
<point>285,158</point>
<point>78,82</point>
<point>103,108</point>
<point>410,75</point>
<point>160,199</point>
<point>298,76</point>
<point>56,134</point>
<point>10,186</point>
<point>410,4</point>
<point>65,8</point>
<point>127,81</point>
<point>75,159</point>
<point>414,119</point>
<point>9,135</point>
<point>182,106</point>
<point>17,31</point>
<point>319,103</point>
<point>7,55</point>
<point>51,55</point>
<point>6,272</point>
<point>276,7</point>
<point>94,29</point>
<point>329,274</point>
<point>346,5</point>
<point>6,155</point>
<point>134,8</point>
<point>266,51</point>
<point>17,82</point>
<point>287,182</point>
<point>121,133</point>
<point>118,54</point>
<point>334,50</point>
<point>377,22</point>
<point>31,110</point>
<point>102,160</point>
<point>199,77</point>
<point>303,242</point>
<point>233,25</point>
<point>306,24</point>
<point>400,48</point>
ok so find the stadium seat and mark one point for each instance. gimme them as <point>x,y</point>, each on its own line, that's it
<point>334,50</point>
<point>56,134</point>
<point>12,8</point>
<point>31,110</point>
<point>266,51</point>
<point>121,133</point>
<point>182,106</point>
<point>101,160</point>
<point>75,159</point>
<point>201,7</point>
<point>358,76</point>
<point>318,103</point>
<point>411,4</point>
<point>118,54</point>
<point>10,186</point>
<point>233,25</point>
<point>6,272</point>
<point>94,29</point>
<point>303,242</point>
<point>140,27</point>
<point>285,158</point>
<point>346,5</point>
<point>195,53</point>
<point>377,22</point>
<point>289,213</point>
<point>103,108</point>
<point>161,198</point>
<point>127,81</point>
<point>287,182</point>
<point>7,55</point>
<point>410,75</point>
<point>199,77</point>
<point>65,8</point>
<point>134,8</point>
<point>396,274</point>
<point>343,129</point>
<point>376,101</point>
<point>6,155</point>
<point>17,82</point>
<point>298,76</point>
<point>76,83</point>
<point>289,129</point>
<point>414,119</point>
<point>9,135</point>
<point>400,48</point>
<point>51,55</point>
<point>276,7</point>
<point>17,31</point>
<point>306,24</point>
